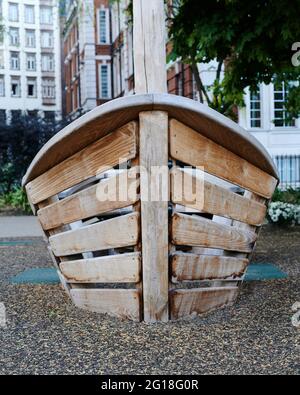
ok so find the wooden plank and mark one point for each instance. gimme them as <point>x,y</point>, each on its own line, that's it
<point>109,195</point>
<point>191,302</point>
<point>97,157</point>
<point>120,303</point>
<point>125,268</point>
<point>192,267</point>
<point>66,287</point>
<point>115,233</point>
<point>210,198</point>
<point>149,42</point>
<point>192,148</point>
<point>155,221</point>
<point>201,232</point>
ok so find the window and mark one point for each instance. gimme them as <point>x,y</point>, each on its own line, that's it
<point>30,38</point>
<point>47,62</point>
<point>48,88</point>
<point>47,39</point>
<point>49,116</point>
<point>104,82</point>
<point>46,16</point>
<point>15,87</point>
<point>31,62</point>
<point>1,59</point>
<point>3,116</point>
<point>281,116</point>
<point>31,87</point>
<point>29,14</point>
<point>13,12</point>
<point>2,86</point>
<point>103,27</point>
<point>15,60</point>
<point>255,108</point>
<point>14,37</point>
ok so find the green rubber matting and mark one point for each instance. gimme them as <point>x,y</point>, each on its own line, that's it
<point>256,272</point>
<point>17,243</point>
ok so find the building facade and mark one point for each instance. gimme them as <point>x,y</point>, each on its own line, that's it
<point>30,72</point>
<point>98,66</point>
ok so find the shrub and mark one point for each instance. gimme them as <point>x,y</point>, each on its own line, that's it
<point>291,196</point>
<point>282,213</point>
<point>16,199</point>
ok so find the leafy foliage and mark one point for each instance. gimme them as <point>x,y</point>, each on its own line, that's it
<point>291,196</point>
<point>16,199</point>
<point>252,40</point>
<point>19,143</point>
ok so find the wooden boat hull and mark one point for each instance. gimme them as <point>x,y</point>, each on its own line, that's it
<point>122,252</point>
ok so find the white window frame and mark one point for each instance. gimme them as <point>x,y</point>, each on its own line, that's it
<point>1,59</point>
<point>15,61</point>
<point>31,19</point>
<point>273,109</point>
<point>48,20</point>
<point>48,89</point>
<point>106,11</point>
<point>32,80</point>
<point>13,17</point>
<point>30,38</point>
<point>13,81</point>
<point>14,39</point>
<point>47,37</point>
<point>31,62</point>
<point>2,86</point>
<point>249,111</point>
<point>108,97</point>
<point>48,62</point>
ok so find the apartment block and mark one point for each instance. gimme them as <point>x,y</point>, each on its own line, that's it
<point>30,72</point>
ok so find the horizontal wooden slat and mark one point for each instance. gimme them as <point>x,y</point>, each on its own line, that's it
<point>125,268</point>
<point>111,194</point>
<point>115,233</point>
<point>103,154</point>
<point>120,303</point>
<point>190,302</point>
<point>192,267</point>
<point>190,147</point>
<point>213,199</point>
<point>201,232</point>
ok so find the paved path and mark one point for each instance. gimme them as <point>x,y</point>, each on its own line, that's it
<point>11,227</point>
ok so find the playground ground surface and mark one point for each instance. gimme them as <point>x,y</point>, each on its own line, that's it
<point>46,334</point>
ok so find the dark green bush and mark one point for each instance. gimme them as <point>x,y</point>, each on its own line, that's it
<point>291,196</point>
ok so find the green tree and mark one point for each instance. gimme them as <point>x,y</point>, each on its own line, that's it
<point>250,40</point>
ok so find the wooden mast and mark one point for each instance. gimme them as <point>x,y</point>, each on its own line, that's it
<point>150,77</point>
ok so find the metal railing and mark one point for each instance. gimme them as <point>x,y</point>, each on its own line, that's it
<point>289,171</point>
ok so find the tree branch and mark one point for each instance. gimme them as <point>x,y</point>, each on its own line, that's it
<point>199,83</point>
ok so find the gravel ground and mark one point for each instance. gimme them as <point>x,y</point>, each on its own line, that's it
<point>47,335</point>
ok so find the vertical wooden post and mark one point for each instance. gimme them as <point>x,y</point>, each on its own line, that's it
<point>149,43</point>
<point>150,77</point>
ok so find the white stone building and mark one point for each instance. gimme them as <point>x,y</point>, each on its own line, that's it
<point>30,61</point>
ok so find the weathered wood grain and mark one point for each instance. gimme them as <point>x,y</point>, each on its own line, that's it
<point>149,41</point>
<point>213,199</point>
<point>193,267</point>
<point>124,268</point>
<point>115,233</point>
<point>119,303</point>
<point>109,195</point>
<point>99,156</point>
<point>192,148</point>
<point>191,302</point>
<point>155,240</point>
<point>201,232</point>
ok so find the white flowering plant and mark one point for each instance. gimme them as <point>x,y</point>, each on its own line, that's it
<point>284,213</point>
